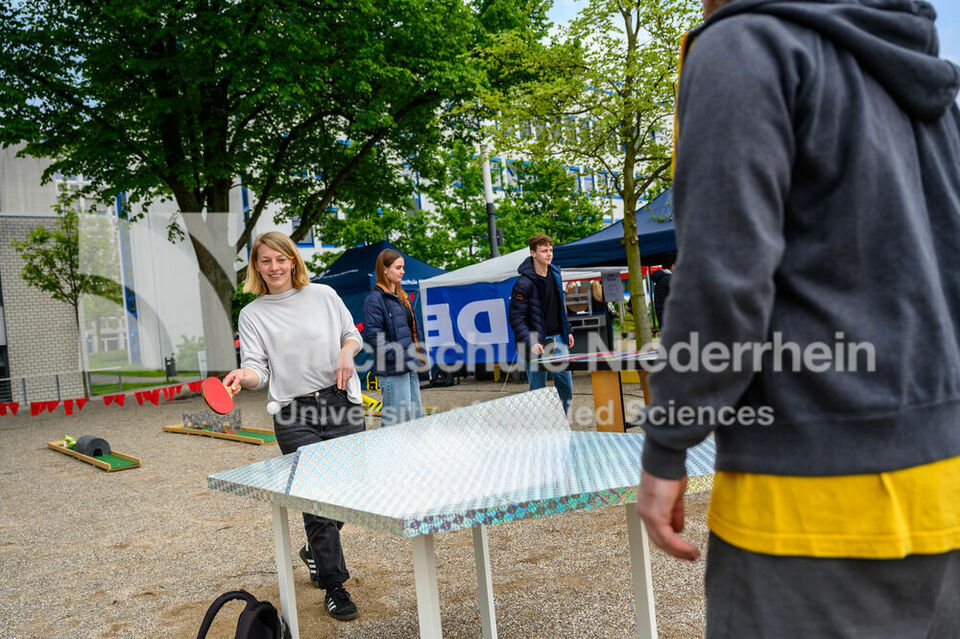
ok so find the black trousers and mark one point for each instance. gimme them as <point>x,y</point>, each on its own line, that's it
<point>306,420</point>
<point>755,596</point>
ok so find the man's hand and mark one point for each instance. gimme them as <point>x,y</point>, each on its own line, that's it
<point>660,505</point>
<point>344,370</point>
<point>570,340</point>
<point>538,349</point>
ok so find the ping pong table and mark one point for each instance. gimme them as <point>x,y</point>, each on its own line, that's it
<point>606,369</point>
<point>469,468</point>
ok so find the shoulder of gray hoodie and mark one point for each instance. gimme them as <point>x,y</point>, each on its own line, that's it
<point>817,197</point>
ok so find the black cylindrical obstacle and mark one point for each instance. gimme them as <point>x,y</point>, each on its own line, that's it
<point>92,446</point>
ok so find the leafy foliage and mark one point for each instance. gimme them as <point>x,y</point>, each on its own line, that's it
<point>187,352</point>
<point>538,197</point>
<point>315,105</point>
<point>601,95</point>
<point>546,199</point>
<point>240,299</point>
<point>52,262</point>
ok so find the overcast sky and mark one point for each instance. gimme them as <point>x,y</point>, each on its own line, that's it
<point>948,22</point>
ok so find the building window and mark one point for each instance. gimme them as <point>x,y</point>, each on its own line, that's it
<point>306,240</point>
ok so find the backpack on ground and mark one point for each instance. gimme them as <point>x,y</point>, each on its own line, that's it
<point>258,620</point>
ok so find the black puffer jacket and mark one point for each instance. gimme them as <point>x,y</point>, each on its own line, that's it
<point>661,288</point>
<point>526,307</point>
<point>386,322</point>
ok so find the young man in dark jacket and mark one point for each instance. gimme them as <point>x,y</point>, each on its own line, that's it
<point>808,131</point>
<point>538,316</point>
<point>661,287</point>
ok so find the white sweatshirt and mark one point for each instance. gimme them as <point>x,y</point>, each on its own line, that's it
<point>293,339</point>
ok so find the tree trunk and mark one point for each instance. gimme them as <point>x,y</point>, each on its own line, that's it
<point>214,251</point>
<point>638,301</point>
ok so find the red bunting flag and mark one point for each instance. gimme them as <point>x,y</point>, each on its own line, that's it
<point>51,406</point>
<point>81,403</point>
<point>195,386</point>
<point>36,408</point>
<point>168,393</point>
<point>139,396</point>
<point>178,388</point>
<point>68,406</point>
<point>110,399</point>
<point>152,396</point>
<point>12,406</point>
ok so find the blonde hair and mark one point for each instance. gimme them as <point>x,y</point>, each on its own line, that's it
<point>597,289</point>
<point>282,244</point>
<point>384,261</point>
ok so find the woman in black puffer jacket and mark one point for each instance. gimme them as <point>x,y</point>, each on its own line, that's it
<point>390,328</point>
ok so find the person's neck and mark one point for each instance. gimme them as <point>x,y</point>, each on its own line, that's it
<point>541,269</point>
<point>389,287</point>
<point>280,289</point>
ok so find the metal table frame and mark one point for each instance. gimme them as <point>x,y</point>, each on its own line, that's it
<point>542,469</point>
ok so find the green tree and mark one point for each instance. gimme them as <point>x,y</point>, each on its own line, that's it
<point>602,95</point>
<point>314,105</point>
<point>544,197</point>
<point>52,264</point>
<point>451,232</point>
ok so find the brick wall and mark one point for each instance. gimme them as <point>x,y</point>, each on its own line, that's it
<point>41,333</point>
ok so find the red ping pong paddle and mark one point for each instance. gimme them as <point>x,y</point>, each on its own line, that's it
<point>218,397</point>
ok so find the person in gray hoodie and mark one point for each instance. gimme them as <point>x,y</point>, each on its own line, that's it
<point>811,132</point>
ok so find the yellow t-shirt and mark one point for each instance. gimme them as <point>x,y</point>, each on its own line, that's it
<point>871,516</point>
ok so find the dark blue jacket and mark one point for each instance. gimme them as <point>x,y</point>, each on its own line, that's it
<point>661,288</point>
<point>386,323</point>
<point>526,307</point>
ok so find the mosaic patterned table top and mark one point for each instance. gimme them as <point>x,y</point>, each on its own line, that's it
<point>489,463</point>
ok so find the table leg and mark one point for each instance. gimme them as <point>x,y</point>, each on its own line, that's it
<point>642,581</point>
<point>645,387</point>
<point>481,552</point>
<point>425,578</point>
<point>288,597</point>
<point>608,401</point>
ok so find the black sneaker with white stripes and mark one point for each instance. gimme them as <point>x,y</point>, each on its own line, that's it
<point>307,557</point>
<point>339,604</point>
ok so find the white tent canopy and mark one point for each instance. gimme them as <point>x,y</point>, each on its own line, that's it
<point>497,269</point>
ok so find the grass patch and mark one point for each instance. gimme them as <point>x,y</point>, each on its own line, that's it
<point>100,389</point>
<point>154,373</point>
<point>108,359</point>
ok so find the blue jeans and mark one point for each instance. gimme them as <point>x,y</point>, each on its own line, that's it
<point>563,380</point>
<point>401,398</point>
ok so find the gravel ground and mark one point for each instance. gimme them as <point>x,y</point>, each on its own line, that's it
<point>143,552</point>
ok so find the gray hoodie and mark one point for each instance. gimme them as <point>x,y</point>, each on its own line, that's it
<point>817,199</point>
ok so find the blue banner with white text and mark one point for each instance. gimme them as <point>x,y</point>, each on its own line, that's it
<point>469,324</point>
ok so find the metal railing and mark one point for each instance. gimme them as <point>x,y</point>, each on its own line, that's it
<point>107,379</point>
<point>69,385</point>
<point>44,387</point>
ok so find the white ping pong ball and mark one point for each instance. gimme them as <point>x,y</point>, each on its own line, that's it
<point>273,407</point>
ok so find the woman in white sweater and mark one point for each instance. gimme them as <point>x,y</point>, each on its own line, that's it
<point>299,338</point>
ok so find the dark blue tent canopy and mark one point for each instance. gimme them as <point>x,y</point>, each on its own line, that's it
<point>353,275</point>
<point>654,232</point>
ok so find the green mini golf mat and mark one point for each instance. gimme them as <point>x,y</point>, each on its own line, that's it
<point>116,463</point>
<point>109,463</point>
<point>268,438</point>
<point>256,436</point>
